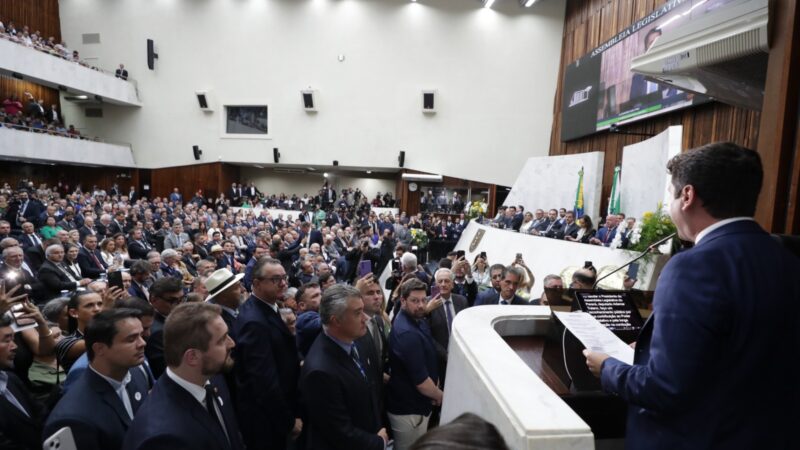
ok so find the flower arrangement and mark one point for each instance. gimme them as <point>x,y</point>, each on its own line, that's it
<point>476,209</point>
<point>653,227</point>
<point>419,238</point>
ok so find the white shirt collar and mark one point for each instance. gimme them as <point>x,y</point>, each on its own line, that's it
<point>716,225</point>
<point>117,385</point>
<point>198,392</point>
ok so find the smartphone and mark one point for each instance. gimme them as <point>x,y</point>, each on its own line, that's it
<point>115,280</point>
<point>587,264</point>
<point>519,256</point>
<point>633,271</point>
<point>483,255</point>
<point>395,265</point>
<point>61,440</point>
<point>19,323</point>
<point>460,254</point>
<point>364,267</point>
<point>434,290</point>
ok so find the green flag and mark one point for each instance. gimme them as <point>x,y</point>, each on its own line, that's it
<point>614,202</point>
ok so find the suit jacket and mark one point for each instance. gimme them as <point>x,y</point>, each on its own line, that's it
<point>171,241</point>
<point>136,291</point>
<point>342,411</point>
<point>171,418</point>
<point>315,236</point>
<point>95,413</point>
<point>54,280</point>
<point>569,230</point>
<point>18,431</point>
<point>438,324</point>
<point>138,249</point>
<point>493,298</point>
<point>155,345</point>
<point>719,329</point>
<point>468,290</point>
<point>34,256</point>
<point>266,373</point>
<point>605,235</point>
<point>26,242</point>
<point>88,265</point>
<point>85,231</point>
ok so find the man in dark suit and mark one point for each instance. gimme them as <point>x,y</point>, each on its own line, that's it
<point>511,278</point>
<point>342,409</point>
<point>496,272</point>
<point>190,407</point>
<point>140,271</point>
<point>224,290</point>
<point>15,272</point>
<point>118,225</point>
<point>267,363</point>
<point>101,404</point>
<point>441,318</point>
<point>606,233</point>
<point>138,247</point>
<point>20,416</point>
<point>54,276</point>
<point>88,228</point>
<point>29,238</point>
<point>165,294</point>
<point>710,364</point>
<point>570,228</point>
<point>90,260</point>
<point>554,225</point>
<point>122,72</point>
<point>375,342</point>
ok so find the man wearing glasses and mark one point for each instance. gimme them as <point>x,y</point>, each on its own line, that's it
<point>496,273</point>
<point>165,294</point>
<point>267,366</point>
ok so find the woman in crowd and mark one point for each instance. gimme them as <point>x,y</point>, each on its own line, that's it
<point>480,272</point>
<point>50,229</point>
<point>71,261</point>
<point>586,231</point>
<point>121,247</point>
<point>108,249</point>
<point>527,223</point>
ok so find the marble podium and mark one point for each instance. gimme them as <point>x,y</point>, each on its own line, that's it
<point>496,384</point>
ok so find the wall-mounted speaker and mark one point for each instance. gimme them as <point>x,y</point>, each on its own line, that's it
<point>429,102</point>
<point>335,162</point>
<point>98,98</point>
<point>152,56</point>
<point>204,100</point>
<point>309,103</point>
<point>276,155</point>
<point>402,158</point>
<point>197,152</point>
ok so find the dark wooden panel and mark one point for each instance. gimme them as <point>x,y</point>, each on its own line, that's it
<point>212,178</point>
<point>87,177</point>
<point>589,23</point>
<point>12,86</point>
<point>38,15</point>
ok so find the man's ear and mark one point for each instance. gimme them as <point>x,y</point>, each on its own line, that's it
<point>688,197</point>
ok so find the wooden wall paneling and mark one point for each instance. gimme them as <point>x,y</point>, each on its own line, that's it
<point>589,23</point>
<point>793,211</point>
<point>41,15</point>
<point>12,86</point>
<point>87,177</point>
<point>776,140</point>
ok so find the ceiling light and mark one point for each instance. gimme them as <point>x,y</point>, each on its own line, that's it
<point>488,3</point>
<point>421,177</point>
<point>369,171</point>
<point>528,3</point>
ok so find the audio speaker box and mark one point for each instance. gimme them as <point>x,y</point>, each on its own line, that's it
<point>197,152</point>
<point>402,158</point>
<point>152,56</point>
<point>276,155</point>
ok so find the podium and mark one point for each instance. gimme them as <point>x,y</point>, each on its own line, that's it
<point>520,370</point>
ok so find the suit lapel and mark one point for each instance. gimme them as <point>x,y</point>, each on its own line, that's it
<point>197,411</point>
<point>110,397</point>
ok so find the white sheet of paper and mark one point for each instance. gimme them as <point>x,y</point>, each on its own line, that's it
<point>594,336</point>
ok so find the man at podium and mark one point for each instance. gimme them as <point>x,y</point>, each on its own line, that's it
<point>715,364</point>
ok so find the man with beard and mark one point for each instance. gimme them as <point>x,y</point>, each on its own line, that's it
<point>190,406</point>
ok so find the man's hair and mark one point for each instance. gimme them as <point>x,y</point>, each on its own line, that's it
<point>444,270</point>
<point>499,267</point>
<point>466,431</point>
<point>550,278</point>
<point>51,248</point>
<point>140,267</point>
<point>514,270</point>
<point>166,285</point>
<point>302,290</point>
<point>334,301</point>
<point>169,253</point>
<point>726,177</point>
<point>5,321</point>
<point>408,260</point>
<point>145,309</point>
<point>325,277</point>
<point>258,270</point>
<point>53,309</point>
<point>445,263</point>
<point>585,276</point>
<point>103,327</point>
<point>88,236</point>
<point>413,284</point>
<point>187,327</point>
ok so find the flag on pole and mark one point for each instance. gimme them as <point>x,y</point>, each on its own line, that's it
<point>614,202</point>
<point>579,196</point>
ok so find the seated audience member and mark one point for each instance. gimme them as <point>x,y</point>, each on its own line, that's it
<point>165,294</point>
<point>15,272</point>
<point>466,432</point>
<point>89,258</point>
<point>20,416</point>
<point>190,406</point>
<point>554,225</point>
<point>82,307</point>
<point>102,403</point>
<point>413,389</point>
<point>342,409</point>
<point>606,233</point>
<point>586,231</point>
<point>570,229</point>
<point>510,282</point>
<point>54,275</point>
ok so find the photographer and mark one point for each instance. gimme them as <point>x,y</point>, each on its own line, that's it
<point>361,252</point>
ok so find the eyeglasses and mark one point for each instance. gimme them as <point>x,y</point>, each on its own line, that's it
<point>174,300</point>
<point>276,279</point>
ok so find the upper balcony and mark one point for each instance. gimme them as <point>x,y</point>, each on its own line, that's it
<point>21,61</point>
<point>23,144</point>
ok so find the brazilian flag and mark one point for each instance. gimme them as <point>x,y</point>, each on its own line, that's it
<point>579,196</point>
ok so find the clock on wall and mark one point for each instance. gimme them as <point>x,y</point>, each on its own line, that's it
<point>412,187</point>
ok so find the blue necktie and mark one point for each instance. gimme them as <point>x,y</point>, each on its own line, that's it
<point>449,316</point>
<point>357,359</point>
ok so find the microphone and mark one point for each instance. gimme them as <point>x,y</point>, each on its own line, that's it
<point>644,253</point>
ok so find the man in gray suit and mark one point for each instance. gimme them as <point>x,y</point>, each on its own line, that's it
<point>176,238</point>
<point>444,308</point>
